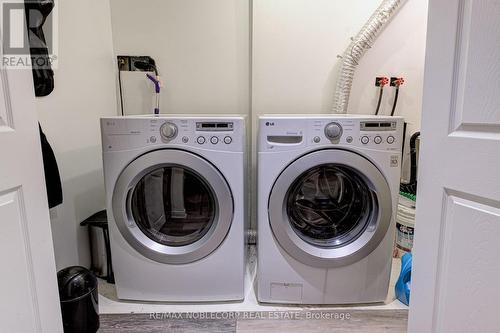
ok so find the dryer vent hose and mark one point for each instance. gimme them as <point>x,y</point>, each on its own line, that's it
<point>357,48</point>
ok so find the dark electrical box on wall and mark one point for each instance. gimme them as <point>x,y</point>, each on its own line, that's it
<point>135,63</point>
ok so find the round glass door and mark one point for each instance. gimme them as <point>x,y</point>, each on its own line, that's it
<point>330,205</point>
<point>172,206</point>
<point>330,208</point>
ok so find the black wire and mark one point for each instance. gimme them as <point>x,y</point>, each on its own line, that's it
<point>413,157</point>
<point>121,93</point>
<point>379,99</point>
<point>395,101</point>
<point>138,64</point>
<point>146,66</point>
<point>411,186</point>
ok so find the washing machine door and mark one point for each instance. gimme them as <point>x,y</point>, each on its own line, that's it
<point>330,208</point>
<point>172,206</point>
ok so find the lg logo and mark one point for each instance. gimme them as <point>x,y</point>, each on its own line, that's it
<point>268,123</point>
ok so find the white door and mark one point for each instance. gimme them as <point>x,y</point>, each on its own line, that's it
<point>29,299</point>
<point>456,273</point>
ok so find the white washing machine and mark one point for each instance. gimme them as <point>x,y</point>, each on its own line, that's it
<point>176,206</point>
<point>327,197</point>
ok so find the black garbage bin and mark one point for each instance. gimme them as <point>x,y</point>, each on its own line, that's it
<point>79,300</point>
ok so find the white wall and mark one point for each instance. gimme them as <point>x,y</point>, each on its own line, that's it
<point>84,92</point>
<point>201,49</point>
<point>203,52</point>
<point>295,64</point>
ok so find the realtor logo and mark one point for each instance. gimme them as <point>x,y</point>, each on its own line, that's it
<point>29,34</point>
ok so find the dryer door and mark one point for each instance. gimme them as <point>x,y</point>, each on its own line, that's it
<point>172,206</point>
<point>330,208</point>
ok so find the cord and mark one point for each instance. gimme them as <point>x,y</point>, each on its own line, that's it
<point>146,66</point>
<point>396,82</point>
<point>413,156</point>
<point>411,186</point>
<point>379,99</point>
<point>380,82</point>
<point>395,101</point>
<point>121,92</point>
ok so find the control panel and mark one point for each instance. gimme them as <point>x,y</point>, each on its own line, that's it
<point>292,132</point>
<point>214,133</point>
<point>211,133</point>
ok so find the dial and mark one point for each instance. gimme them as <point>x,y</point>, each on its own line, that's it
<point>168,131</point>
<point>377,139</point>
<point>228,140</point>
<point>365,140</point>
<point>390,139</point>
<point>201,140</point>
<point>333,131</point>
<point>214,140</point>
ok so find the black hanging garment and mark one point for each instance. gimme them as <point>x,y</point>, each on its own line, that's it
<point>37,12</point>
<point>52,177</point>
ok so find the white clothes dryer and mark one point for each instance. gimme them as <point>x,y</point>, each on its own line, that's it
<point>176,206</point>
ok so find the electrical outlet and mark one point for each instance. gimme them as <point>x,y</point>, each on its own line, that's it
<point>123,63</point>
<point>128,63</point>
<point>381,80</point>
<point>396,81</point>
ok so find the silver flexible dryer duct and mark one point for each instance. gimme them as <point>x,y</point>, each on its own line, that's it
<point>363,41</point>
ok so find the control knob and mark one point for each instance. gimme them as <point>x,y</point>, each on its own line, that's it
<point>168,131</point>
<point>333,131</point>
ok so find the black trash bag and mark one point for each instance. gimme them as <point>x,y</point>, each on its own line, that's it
<point>79,300</point>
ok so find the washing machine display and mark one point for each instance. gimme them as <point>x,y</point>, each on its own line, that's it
<point>335,213</point>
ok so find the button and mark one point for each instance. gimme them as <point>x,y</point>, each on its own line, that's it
<point>201,140</point>
<point>348,139</point>
<point>228,140</point>
<point>377,139</point>
<point>214,140</point>
<point>317,139</point>
<point>390,139</point>
<point>185,139</point>
<point>365,140</point>
<point>152,139</point>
